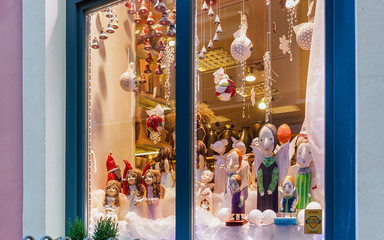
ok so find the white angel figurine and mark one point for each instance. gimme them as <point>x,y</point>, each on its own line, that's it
<point>204,193</point>
<point>219,147</point>
<point>269,168</point>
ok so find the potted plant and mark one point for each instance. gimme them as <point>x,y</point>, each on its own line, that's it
<point>105,229</point>
<point>77,231</point>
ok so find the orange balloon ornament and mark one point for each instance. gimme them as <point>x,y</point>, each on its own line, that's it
<point>284,133</point>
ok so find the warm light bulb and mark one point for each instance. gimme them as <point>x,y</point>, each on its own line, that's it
<point>262,105</point>
<point>250,78</point>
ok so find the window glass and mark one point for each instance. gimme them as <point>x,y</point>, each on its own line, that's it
<point>131,117</point>
<point>259,110</point>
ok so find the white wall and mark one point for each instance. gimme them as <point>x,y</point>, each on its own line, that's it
<point>370,118</point>
<point>44,117</point>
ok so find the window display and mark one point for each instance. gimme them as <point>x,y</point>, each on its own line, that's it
<point>265,137</point>
<point>130,119</point>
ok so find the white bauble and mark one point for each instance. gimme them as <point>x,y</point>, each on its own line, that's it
<point>268,217</point>
<point>255,216</point>
<point>130,217</point>
<point>314,205</point>
<point>128,81</point>
<point>300,217</point>
<point>304,36</point>
<point>241,48</point>
<point>224,214</point>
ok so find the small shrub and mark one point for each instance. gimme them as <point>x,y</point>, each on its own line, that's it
<point>77,231</point>
<point>105,229</point>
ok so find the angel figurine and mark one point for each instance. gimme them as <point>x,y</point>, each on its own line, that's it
<point>164,167</point>
<point>201,165</point>
<point>269,168</point>
<point>111,200</point>
<point>133,188</point>
<point>155,192</point>
<point>204,193</point>
<point>219,147</point>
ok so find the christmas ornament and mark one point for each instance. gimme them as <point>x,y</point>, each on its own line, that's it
<point>267,84</point>
<point>164,20</point>
<point>155,123</point>
<point>290,5</point>
<point>158,71</point>
<point>171,31</point>
<point>216,38</point>
<point>110,29</point>
<point>147,69</point>
<point>171,18</point>
<point>225,88</point>
<point>142,79</point>
<point>150,20</point>
<point>217,20</point>
<point>284,133</point>
<point>304,35</point>
<point>210,12</point>
<point>128,80</point>
<point>169,58</point>
<point>161,57</point>
<point>161,46</point>
<point>127,4</point>
<point>147,45</point>
<point>149,58</point>
<point>95,43</point>
<point>109,13</point>
<point>174,8</point>
<point>132,9</point>
<point>137,18</point>
<point>204,50</point>
<point>210,45</point>
<point>284,45</point>
<point>219,29</point>
<point>115,22</point>
<point>144,33</point>
<point>158,32</point>
<point>160,6</point>
<point>143,8</point>
<point>201,55</point>
<point>103,35</point>
<point>205,6</point>
<point>241,47</point>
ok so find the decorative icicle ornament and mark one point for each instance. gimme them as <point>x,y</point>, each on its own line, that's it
<point>205,6</point>
<point>241,47</point>
<point>204,50</point>
<point>219,30</point>
<point>95,43</point>
<point>210,45</point>
<point>110,29</point>
<point>143,8</point>
<point>160,6</point>
<point>217,19</point>
<point>137,18</point>
<point>109,13</point>
<point>158,71</point>
<point>171,31</point>
<point>103,35</point>
<point>164,20</point>
<point>150,20</point>
<point>142,79</point>
<point>216,38</point>
<point>128,80</point>
<point>290,5</point>
<point>147,45</point>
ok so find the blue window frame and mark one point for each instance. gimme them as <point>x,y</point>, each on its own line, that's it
<point>340,116</point>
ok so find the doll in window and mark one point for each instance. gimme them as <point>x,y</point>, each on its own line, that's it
<point>238,198</point>
<point>269,167</point>
<point>219,147</point>
<point>164,167</point>
<point>155,192</point>
<point>204,192</point>
<point>289,202</point>
<point>201,165</point>
<point>111,199</point>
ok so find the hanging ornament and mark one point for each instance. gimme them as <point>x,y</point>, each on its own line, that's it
<point>95,43</point>
<point>158,71</point>
<point>160,6</point>
<point>142,79</point>
<point>127,4</point>
<point>225,88</point>
<point>290,5</point>
<point>109,13</point>
<point>155,123</point>
<point>103,35</point>
<point>128,80</point>
<point>132,9</point>
<point>147,69</point>
<point>115,22</point>
<point>149,58</point>
<point>137,18</point>
<point>161,46</point>
<point>150,20</point>
<point>110,29</point>
<point>143,8</point>
<point>144,34</point>
<point>216,38</point>
<point>158,32</point>
<point>241,47</point>
<point>284,45</point>
<point>304,35</point>
<point>164,20</point>
<point>174,8</point>
<point>217,20</point>
<point>219,30</point>
<point>267,84</point>
<point>160,57</point>
<point>201,55</point>
<point>204,50</point>
<point>171,18</point>
<point>171,31</point>
<point>210,12</point>
<point>210,45</point>
<point>147,45</point>
<point>205,6</point>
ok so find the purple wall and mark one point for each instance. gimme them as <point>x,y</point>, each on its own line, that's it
<point>11,131</point>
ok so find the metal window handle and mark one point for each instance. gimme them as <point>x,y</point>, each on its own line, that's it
<point>28,238</point>
<point>46,238</point>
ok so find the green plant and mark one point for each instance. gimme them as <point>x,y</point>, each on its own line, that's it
<point>105,229</point>
<point>77,231</point>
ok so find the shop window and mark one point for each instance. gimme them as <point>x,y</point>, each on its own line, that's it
<point>131,117</point>
<point>259,111</point>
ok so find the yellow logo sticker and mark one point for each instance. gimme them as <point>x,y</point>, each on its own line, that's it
<point>313,221</point>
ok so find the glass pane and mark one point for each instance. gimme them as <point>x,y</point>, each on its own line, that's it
<point>131,117</point>
<point>259,90</point>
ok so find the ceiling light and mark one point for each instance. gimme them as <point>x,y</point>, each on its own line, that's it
<point>262,105</point>
<point>250,76</point>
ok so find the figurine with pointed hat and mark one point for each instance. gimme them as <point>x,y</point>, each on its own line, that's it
<point>133,188</point>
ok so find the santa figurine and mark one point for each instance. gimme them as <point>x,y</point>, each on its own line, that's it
<point>114,172</point>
